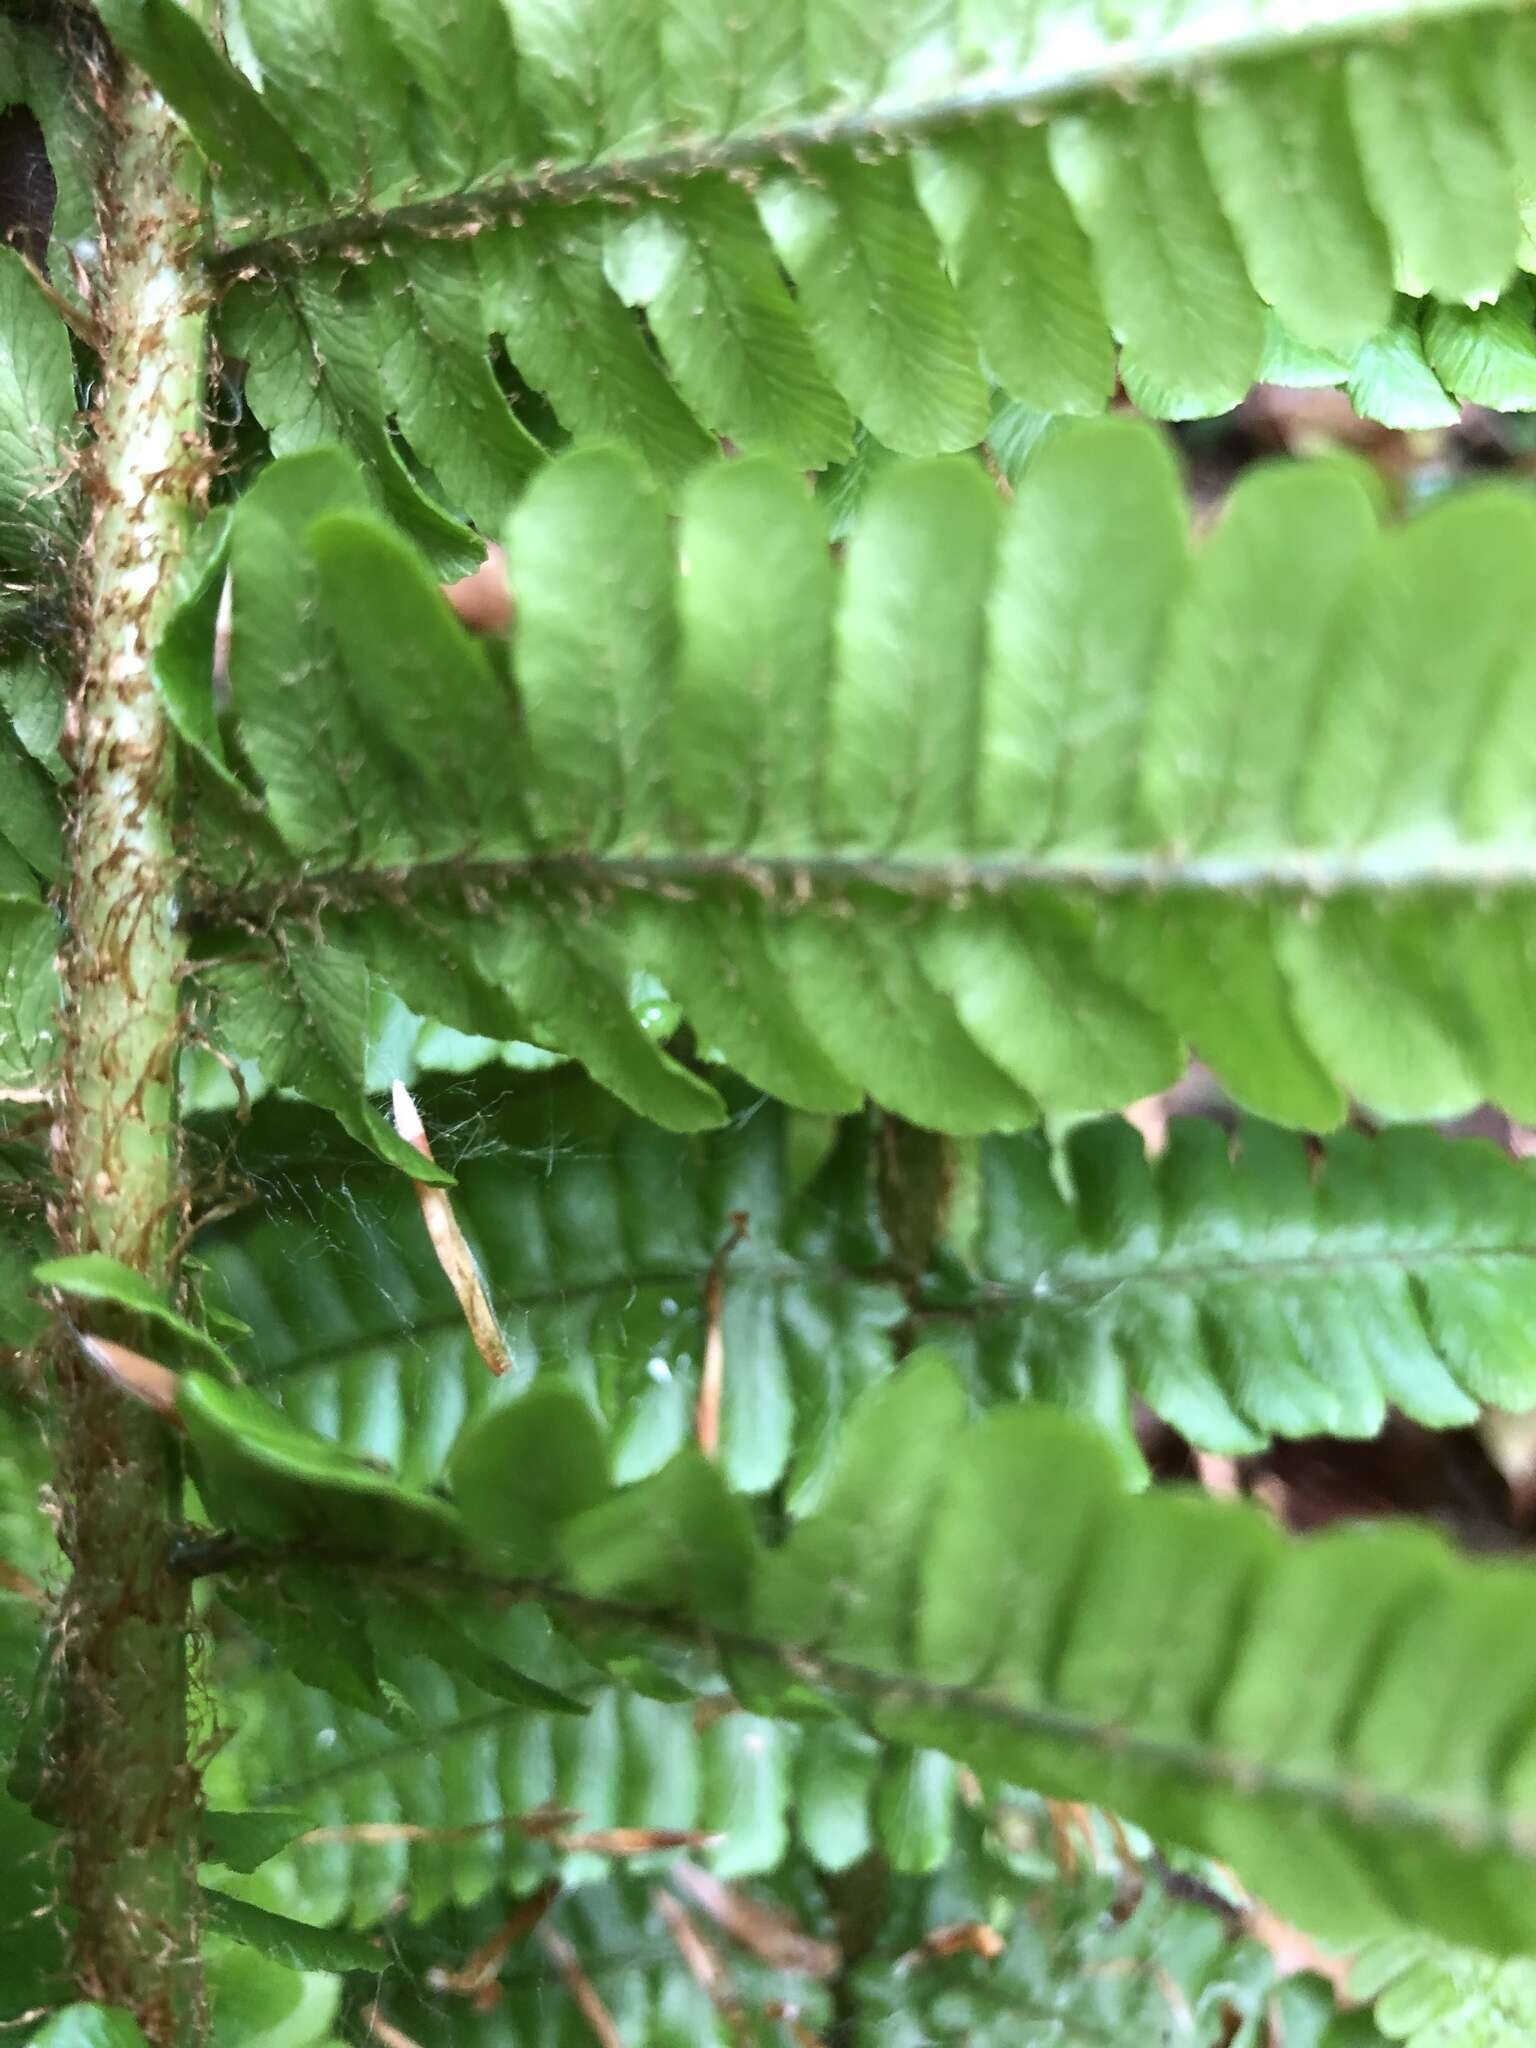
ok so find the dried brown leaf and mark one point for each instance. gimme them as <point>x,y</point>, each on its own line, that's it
<point>634,1841</point>
<point>702,1960</point>
<point>385,2031</point>
<point>542,1823</point>
<point>450,1243</point>
<point>712,1375</point>
<point>765,1930</point>
<point>959,1938</point>
<point>581,1988</point>
<point>475,1978</point>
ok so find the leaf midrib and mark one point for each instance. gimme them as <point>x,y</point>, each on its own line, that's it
<point>1479,871</point>
<point>1031,89</point>
<point>1250,1778</point>
<point>989,1297</point>
<point>783,1273</point>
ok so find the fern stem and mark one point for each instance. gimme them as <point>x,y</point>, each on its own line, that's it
<point>122,1782</point>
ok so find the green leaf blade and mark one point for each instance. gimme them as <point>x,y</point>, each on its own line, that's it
<point>593,678</point>
<point>858,249</point>
<point>1190,323</point>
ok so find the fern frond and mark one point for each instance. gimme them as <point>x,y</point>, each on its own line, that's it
<point>37,419</point>
<point>29,941</point>
<point>39,526</point>
<point>1001,814</point>
<point>1186,173</point>
<point>55,219</point>
<point>31,832</point>
<point>596,1233</point>
<point>39,517</point>
<point>1432,1996</point>
<point>430,1809</point>
<point>1397,1272</point>
<point>1170,1278</point>
<point>314,373</point>
<point>1344,1721</point>
<point>31,1939</point>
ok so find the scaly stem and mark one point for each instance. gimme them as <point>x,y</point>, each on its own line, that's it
<point>122,1783</point>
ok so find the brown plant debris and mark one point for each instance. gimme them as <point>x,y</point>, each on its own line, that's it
<point>450,1243</point>
<point>712,1377</point>
<point>552,1824</point>
<point>702,1960</point>
<point>476,1977</point>
<point>386,2032</point>
<point>764,1930</point>
<point>580,1985</point>
<point>634,1841</point>
<point>705,1964</point>
<point>959,1938</point>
